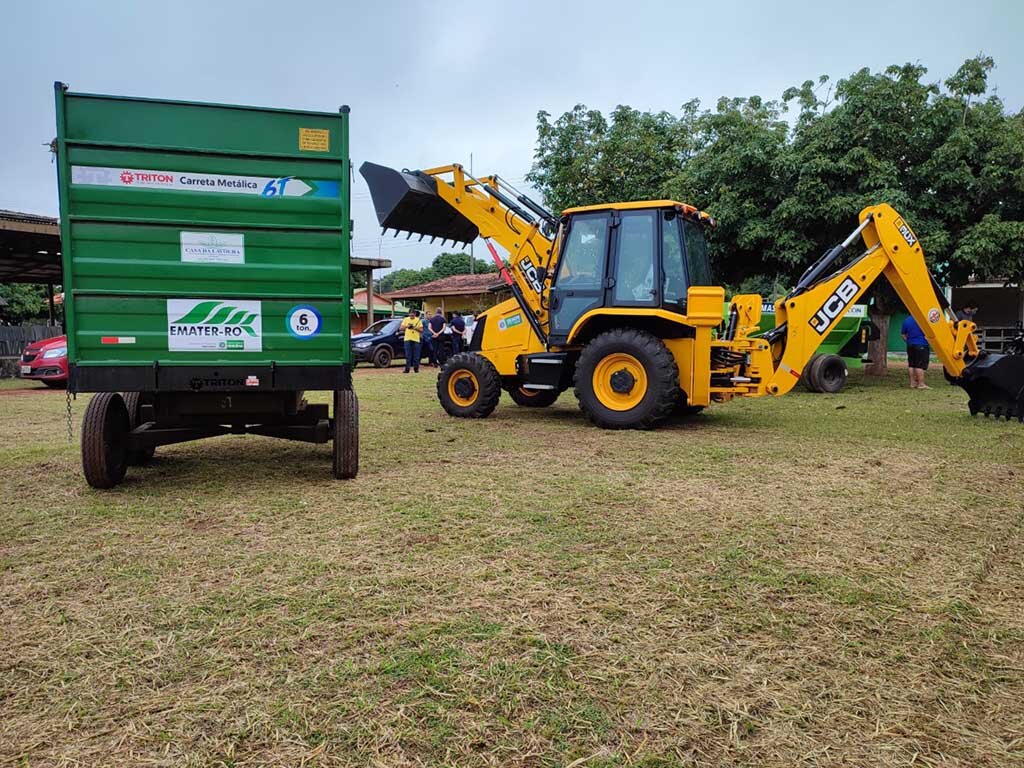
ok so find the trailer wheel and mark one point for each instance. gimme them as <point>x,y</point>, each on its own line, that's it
<point>533,398</point>
<point>346,434</point>
<point>105,428</point>
<point>829,374</point>
<point>627,379</point>
<point>382,356</point>
<point>805,374</point>
<point>133,402</point>
<point>468,386</point>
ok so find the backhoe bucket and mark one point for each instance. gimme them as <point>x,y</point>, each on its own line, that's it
<point>995,384</point>
<point>407,201</point>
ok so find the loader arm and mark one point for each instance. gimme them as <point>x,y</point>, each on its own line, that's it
<point>806,316</point>
<point>449,203</point>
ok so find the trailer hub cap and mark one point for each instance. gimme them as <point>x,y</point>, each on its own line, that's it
<point>620,381</point>
<point>463,388</point>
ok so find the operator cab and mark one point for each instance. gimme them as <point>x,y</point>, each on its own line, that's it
<point>636,255</point>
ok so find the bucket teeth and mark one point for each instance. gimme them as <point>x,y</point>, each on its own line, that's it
<point>995,384</point>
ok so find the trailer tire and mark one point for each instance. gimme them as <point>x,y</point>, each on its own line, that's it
<point>468,386</point>
<point>805,375</point>
<point>105,428</point>
<point>627,379</point>
<point>382,356</point>
<point>133,403</point>
<point>533,398</point>
<point>345,449</point>
<point>829,374</point>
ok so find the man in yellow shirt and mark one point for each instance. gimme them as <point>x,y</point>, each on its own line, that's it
<point>413,327</point>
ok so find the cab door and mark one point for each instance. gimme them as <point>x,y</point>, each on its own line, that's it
<point>635,276</point>
<point>579,284</point>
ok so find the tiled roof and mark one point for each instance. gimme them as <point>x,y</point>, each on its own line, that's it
<point>456,285</point>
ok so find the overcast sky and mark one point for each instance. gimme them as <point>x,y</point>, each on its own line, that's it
<point>431,82</point>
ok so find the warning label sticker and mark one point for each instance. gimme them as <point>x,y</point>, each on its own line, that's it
<point>314,140</point>
<point>187,181</point>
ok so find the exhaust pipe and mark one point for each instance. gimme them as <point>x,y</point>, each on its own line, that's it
<point>407,201</point>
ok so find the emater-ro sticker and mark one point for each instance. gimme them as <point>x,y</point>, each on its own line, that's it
<point>186,181</point>
<point>205,325</point>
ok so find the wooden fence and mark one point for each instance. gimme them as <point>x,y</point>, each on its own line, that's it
<point>13,338</point>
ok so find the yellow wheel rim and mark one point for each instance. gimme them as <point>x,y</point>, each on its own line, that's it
<point>453,386</point>
<point>620,381</point>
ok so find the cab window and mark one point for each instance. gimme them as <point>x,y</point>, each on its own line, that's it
<point>697,265</point>
<point>674,286</point>
<point>582,264</point>
<point>635,270</point>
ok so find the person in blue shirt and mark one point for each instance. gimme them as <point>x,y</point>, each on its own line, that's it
<point>917,352</point>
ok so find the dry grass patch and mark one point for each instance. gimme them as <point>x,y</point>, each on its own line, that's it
<point>813,580</point>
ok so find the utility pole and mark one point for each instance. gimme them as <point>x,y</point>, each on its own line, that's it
<point>472,261</point>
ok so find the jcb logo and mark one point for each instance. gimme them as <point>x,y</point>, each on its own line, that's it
<point>834,305</point>
<point>904,230</point>
<point>530,273</point>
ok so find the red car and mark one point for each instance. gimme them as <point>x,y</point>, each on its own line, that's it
<point>46,361</point>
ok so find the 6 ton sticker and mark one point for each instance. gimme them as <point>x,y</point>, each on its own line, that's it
<point>834,305</point>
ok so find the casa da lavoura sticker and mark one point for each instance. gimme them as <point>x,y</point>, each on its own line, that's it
<point>211,325</point>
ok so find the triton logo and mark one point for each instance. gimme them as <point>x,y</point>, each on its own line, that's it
<point>127,177</point>
<point>834,305</point>
<point>197,383</point>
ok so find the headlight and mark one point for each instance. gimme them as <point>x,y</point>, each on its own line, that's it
<point>52,353</point>
<point>361,344</point>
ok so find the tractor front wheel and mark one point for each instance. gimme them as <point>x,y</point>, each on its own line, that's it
<point>627,379</point>
<point>468,386</point>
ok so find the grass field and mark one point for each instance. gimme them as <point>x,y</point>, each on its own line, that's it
<point>808,581</point>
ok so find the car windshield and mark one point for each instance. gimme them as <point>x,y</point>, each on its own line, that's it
<point>383,326</point>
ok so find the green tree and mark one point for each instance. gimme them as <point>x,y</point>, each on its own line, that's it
<point>21,302</point>
<point>447,264</point>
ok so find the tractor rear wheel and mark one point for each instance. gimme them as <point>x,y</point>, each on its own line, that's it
<point>346,434</point>
<point>468,386</point>
<point>627,379</point>
<point>105,429</point>
<point>533,398</point>
<point>133,402</point>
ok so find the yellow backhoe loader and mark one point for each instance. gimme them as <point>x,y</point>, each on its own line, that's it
<point>617,301</point>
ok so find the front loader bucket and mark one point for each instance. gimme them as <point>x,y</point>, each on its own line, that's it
<point>995,384</point>
<point>407,201</point>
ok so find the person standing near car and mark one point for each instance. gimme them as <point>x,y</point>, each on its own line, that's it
<point>413,327</point>
<point>458,329</point>
<point>917,352</point>
<point>437,325</point>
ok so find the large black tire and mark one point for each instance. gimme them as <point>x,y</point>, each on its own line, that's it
<point>468,386</point>
<point>133,402</point>
<point>610,370</point>
<point>829,374</point>
<point>805,375</point>
<point>105,428</point>
<point>346,434</point>
<point>382,356</point>
<point>533,398</point>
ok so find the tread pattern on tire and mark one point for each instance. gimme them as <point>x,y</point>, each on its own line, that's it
<point>345,446</point>
<point>838,382</point>
<point>104,418</point>
<point>487,378</point>
<point>662,376</point>
<point>541,398</point>
<point>132,402</point>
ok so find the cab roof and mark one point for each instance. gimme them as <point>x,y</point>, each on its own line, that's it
<point>640,204</point>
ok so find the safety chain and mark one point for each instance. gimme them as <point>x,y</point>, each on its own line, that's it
<point>68,396</point>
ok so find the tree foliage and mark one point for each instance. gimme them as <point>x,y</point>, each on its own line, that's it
<point>783,191</point>
<point>22,302</point>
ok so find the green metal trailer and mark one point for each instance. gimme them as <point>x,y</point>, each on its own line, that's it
<point>206,274</point>
<point>827,370</point>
